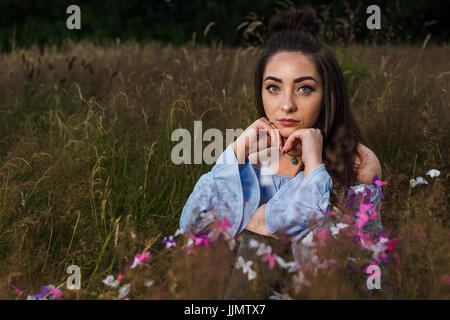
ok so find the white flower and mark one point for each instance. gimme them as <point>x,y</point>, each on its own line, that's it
<point>148,283</point>
<point>433,173</point>
<point>335,230</point>
<point>109,281</point>
<point>251,275</point>
<point>123,292</point>
<point>418,180</point>
<point>292,265</point>
<point>263,249</point>
<point>246,267</point>
<point>253,243</point>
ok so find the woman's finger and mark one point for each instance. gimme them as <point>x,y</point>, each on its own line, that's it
<point>277,133</point>
<point>289,144</point>
<point>264,125</point>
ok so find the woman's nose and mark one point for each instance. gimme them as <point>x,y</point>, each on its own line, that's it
<point>288,107</point>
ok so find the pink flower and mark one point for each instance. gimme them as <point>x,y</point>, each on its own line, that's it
<point>378,182</point>
<point>141,258</point>
<point>269,257</point>
<point>390,243</point>
<point>200,240</point>
<point>57,294</point>
<point>322,235</point>
<point>224,224</point>
<point>362,219</point>
<point>18,292</point>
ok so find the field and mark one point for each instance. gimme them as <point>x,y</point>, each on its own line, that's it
<point>86,176</point>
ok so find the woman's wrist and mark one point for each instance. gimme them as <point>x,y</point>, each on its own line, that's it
<point>310,167</point>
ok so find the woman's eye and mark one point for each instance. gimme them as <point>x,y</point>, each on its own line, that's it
<point>306,89</point>
<point>268,88</point>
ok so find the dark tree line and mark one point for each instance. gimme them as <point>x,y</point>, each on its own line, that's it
<point>43,22</point>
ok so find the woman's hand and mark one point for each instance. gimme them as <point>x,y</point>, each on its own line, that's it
<point>251,139</point>
<point>311,140</point>
<point>258,224</point>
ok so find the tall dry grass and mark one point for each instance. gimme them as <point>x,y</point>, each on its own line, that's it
<point>86,176</point>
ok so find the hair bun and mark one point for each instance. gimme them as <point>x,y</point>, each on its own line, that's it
<point>304,19</point>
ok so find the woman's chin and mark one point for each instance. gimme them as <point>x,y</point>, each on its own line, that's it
<point>286,132</point>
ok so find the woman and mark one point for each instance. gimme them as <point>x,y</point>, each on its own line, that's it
<point>303,105</point>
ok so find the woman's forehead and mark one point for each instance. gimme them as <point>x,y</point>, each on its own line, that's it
<point>290,65</point>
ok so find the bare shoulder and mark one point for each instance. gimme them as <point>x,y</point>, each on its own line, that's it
<point>368,166</point>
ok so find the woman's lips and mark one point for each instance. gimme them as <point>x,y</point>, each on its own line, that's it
<point>287,123</point>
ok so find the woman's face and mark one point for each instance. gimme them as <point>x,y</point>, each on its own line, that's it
<point>292,90</point>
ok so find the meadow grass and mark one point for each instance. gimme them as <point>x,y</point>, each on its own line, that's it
<point>86,176</point>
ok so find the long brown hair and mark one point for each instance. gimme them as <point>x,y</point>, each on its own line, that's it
<point>295,30</point>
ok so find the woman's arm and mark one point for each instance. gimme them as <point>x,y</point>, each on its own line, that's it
<point>227,191</point>
<point>258,224</point>
<point>292,209</point>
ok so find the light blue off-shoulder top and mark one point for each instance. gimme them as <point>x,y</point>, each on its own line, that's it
<point>237,193</point>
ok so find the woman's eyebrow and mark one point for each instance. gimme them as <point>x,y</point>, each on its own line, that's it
<point>300,79</point>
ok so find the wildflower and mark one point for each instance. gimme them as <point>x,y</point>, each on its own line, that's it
<point>141,258</point>
<point>46,291</point>
<point>18,292</point>
<point>269,257</point>
<point>322,235</point>
<point>292,265</point>
<point>169,242</point>
<point>224,224</point>
<point>433,173</point>
<point>335,230</point>
<point>200,240</point>
<point>362,219</point>
<point>246,267</point>
<point>148,283</point>
<point>57,294</point>
<point>123,291</point>
<point>378,182</point>
<point>263,249</point>
<point>418,180</point>
<point>109,281</point>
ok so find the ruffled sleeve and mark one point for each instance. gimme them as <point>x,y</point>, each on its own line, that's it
<point>298,201</point>
<point>228,190</point>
